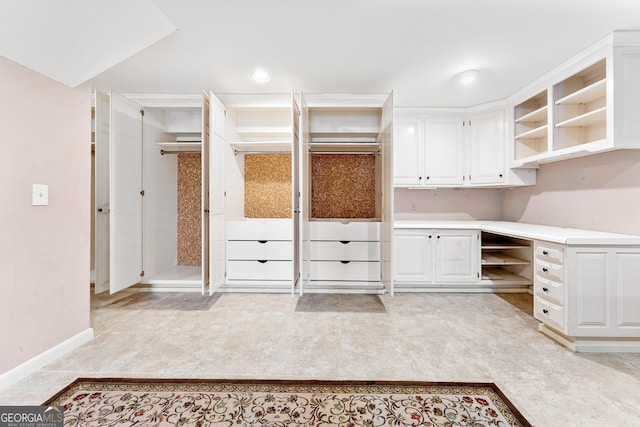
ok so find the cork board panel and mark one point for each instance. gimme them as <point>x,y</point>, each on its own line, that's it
<point>343,186</point>
<point>189,209</point>
<point>267,185</point>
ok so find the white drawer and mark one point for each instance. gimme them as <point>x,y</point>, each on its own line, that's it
<point>262,249</point>
<point>549,252</point>
<point>256,270</point>
<point>549,271</point>
<point>344,250</point>
<point>549,313</point>
<point>344,270</point>
<point>550,290</point>
<point>363,231</point>
<point>274,229</point>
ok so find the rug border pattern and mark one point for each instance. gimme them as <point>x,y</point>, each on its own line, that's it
<point>507,408</point>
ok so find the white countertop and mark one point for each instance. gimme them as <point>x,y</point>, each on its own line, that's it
<point>562,235</point>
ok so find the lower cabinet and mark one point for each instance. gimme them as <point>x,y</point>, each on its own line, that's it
<point>586,295</point>
<point>436,258</point>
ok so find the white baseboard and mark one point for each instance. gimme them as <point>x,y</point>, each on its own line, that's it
<point>593,345</point>
<point>30,366</point>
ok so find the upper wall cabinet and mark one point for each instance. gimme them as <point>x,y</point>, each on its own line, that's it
<point>453,148</point>
<point>588,105</point>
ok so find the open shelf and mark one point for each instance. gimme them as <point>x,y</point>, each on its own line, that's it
<point>261,146</point>
<point>536,133</point>
<point>179,147</point>
<point>586,94</point>
<point>506,260</point>
<point>538,115</point>
<point>498,258</point>
<point>590,118</point>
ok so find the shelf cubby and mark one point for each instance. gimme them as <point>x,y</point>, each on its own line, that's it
<point>531,126</point>
<point>505,261</point>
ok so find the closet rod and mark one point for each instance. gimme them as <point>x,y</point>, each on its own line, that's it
<point>163,152</point>
<point>236,152</point>
<point>345,152</point>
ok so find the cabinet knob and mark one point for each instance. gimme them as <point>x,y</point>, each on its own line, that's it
<point>438,237</point>
<point>345,242</point>
<point>262,261</point>
<point>545,269</point>
<point>545,311</point>
<point>545,289</point>
<point>500,175</point>
<point>429,235</point>
<point>545,253</point>
<point>345,262</point>
<point>262,241</point>
<point>428,177</point>
<point>419,178</point>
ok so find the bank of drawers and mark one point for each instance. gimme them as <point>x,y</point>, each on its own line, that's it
<point>259,250</point>
<point>344,251</point>
<point>549,289</point>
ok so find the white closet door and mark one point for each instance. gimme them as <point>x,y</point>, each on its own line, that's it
<point>204,156</point>
<point>295,189</point>
<point>217,256</point>
<point>386,144</point>
<point>101,193</point>
<point>125,217</point>
<point>305,191</point>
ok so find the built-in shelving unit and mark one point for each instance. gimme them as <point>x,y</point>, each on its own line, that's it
<point>505,261</point>
<point>585,106</point>
<point>531,126</point>
<point>580,113</point>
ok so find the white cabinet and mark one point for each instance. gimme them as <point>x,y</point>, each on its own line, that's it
<point>587,295</point>
<point>585,106</point>
<point>346,167</point>
<point>140,217</point>
<point>435,258</point>
<point>486,148</point>
<point>456,256</point>
<point>443,148</point>
<point>413,256</point>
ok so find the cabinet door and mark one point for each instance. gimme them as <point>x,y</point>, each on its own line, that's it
<point>486,148</point>
<point>125,193</point>
<point>204,158</point>
<point>101,244</point>
<point>295,189</point>
<point>414,256</point>
<point>216,194</point>
<point>408,152</point>
<point>457,256</point>
<point>444,147</point>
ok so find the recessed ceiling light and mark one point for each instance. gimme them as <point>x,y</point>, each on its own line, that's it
<point>261,76</point>
<point>467,77</point>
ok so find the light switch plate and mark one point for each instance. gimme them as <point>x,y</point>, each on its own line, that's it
<point>40,195</point>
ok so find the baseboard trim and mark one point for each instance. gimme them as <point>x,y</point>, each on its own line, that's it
<point>32,365</point>
<point>592,344</point>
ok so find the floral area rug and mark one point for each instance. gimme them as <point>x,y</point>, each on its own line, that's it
<point>152,402</point>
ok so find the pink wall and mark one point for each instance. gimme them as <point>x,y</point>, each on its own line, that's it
<point>597,192</point>
<point>448,204</point>
<point>44,250</point>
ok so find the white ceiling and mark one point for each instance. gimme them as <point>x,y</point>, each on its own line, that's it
<point>413,47</point>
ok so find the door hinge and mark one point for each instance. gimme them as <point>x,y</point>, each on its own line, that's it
<point>142,112</point>
<point>142,273</point>
<point>142,193</point>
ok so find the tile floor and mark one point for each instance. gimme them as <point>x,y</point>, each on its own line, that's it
<point>424,337</point>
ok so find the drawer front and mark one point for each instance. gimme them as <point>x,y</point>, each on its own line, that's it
<point>352,231</point>
<point>255,270</point>
<point>263,249</point>
<point>275,229</point>
<point>344,251</point>
<point>549,313</point>
<point>553,272</point>
<point>353,270</point>
<point>550,290</point>
<point>549,252</point>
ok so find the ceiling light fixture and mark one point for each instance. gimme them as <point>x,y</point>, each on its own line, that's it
<point>261,76</point>
<point>467,77</point>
